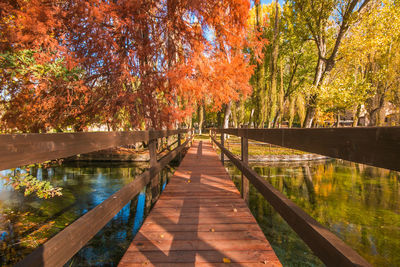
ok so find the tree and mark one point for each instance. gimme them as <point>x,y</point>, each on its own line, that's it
<point>125,53</point>
<point>274,65</point>
<point>327,34</point>
<point>368,74</point>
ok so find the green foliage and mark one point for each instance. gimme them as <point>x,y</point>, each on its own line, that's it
<point>21,65</point>
<point>34,90</point>
<point>29,184</point>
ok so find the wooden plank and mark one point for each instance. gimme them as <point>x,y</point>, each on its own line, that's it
<point>200,228</point>
<point>22,149</point>
<point>198,245</point>
<point>203,214</point>
<point>213,256</point>
<point>229,235</point>
<point>375,146</point>
<point>201,209</point>
<point>327,246</point>
<point>200,219</point>
<point>202,264</point>
<point>59,249</point>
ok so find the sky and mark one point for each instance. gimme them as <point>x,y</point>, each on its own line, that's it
<point>269,1</point>
<point>210,34</point>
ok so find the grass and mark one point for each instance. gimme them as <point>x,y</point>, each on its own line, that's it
<point>255,148</point>
<point>262,149</point>
<point>201,137</point>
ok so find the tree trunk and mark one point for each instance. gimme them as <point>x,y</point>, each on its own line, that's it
<point>356,115</point>
<point>338,120</point>
<point>320,70</point>
<point>242,112</point>
<point>291,110</point>
<point>277,116</point>
<point>310,113</point>
<point>201,118</point>
<point>375,114</point>
<point>281,110</point>
<point>274,67</point>
<point>227,114</point>
<point>234,115</point>
<point>251,119</point>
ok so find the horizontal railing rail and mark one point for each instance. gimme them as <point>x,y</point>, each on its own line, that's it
<point>22,149</point>
<point>63,246</point>
<point>376,146</point>
<point>326,245</point>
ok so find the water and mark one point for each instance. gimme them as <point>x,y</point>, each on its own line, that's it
<point>359,203</point>
<point>27,222</point>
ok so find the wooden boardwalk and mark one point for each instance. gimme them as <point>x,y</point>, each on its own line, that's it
<point>200,220</point>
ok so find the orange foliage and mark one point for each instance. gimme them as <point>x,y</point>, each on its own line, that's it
<point>135,60</point>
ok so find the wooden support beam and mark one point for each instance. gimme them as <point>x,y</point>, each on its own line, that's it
<point>375,146</point>
<point>23,149</point>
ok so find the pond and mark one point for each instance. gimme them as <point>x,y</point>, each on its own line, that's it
<point>359,203</point>
<point>27,222</point>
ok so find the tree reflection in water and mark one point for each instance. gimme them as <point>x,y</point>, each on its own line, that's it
<point>359,203</point>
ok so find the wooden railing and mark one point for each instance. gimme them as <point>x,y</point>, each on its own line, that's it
<point>373,146</point>
<point>22,149</point>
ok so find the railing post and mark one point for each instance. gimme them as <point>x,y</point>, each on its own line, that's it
<point>179,144</point>
<point>222,143</point>
<point>152,149</point>
<point>245,159</point>
<point>215,137</point>
<point>211,135</point>
<point>154,183</point>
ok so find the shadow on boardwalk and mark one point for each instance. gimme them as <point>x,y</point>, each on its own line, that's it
<point>200,220</point>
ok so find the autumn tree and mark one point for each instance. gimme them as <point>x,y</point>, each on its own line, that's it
<point>116,60</point>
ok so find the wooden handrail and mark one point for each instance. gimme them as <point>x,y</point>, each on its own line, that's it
<point>326,245</point>
<point>62,247</point>
<point>375,146</point>
<point>22,149</point>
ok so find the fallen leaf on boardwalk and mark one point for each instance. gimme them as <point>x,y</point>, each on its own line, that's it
<point>265,262</point>
<point>212,230</point>
<point>188,181</point>
<point>226,260</point>
<point>234,210</point>
<point>162,236</point>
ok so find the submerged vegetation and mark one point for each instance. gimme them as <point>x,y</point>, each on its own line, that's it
<point>22,180</point>
<point>26,222</point>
